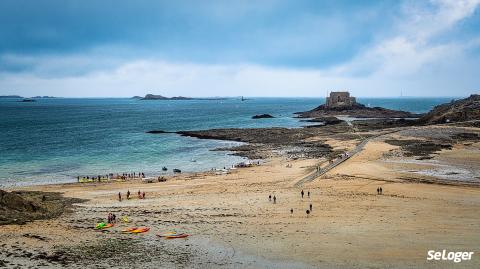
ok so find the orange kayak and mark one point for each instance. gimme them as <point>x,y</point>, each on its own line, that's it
<point>173,236</point>
<point>141,230</point>
<point>129,230</point>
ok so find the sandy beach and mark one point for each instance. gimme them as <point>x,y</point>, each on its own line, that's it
<point>233,224</point>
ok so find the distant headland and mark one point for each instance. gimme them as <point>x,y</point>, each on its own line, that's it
<point>161,97</point>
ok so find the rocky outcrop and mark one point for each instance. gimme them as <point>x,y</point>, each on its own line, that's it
<point>325,120</point>
<point>21,206</point>
<point>263,116</point>
<point>456,111</point>
<point>356,110</point>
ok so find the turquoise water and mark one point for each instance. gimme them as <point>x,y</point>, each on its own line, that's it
<point>55,140</point>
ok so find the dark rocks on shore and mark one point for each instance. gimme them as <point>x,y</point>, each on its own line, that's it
<point>325,120</point>
<point>263,116</point>
<point>264,141</point>
<point>20,207</point>
<point>356,110</point>
<point>456,111</point>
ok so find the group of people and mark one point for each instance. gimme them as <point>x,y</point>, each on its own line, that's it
<point>111,218</point>
<point>141,195</point>
<point>379,190</point>
<point>100,178</point>
<point>302,193</point>
<point>133,175</point>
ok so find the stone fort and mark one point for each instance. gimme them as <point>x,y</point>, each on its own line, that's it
<point>340,99</point>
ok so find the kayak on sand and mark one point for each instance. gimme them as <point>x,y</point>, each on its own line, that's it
<point>103,225</point>
<point>135,230</point>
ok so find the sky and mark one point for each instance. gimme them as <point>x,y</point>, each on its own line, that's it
<point>114,48</point>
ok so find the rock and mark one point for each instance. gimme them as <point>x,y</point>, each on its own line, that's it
<point>325,120</point>
<point>356,110</point>
<point>158,132</point>
<point>22,206</point>
<point>456,111</point>
<point>263,116</point>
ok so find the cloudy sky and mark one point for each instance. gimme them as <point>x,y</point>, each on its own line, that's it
<point>229,48</point>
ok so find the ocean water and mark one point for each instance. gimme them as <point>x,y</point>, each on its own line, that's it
<point>56,140</point>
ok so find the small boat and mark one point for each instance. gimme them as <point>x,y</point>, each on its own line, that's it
<point>103,225</point>
<point>173,235</point>
<point>164,168</point>
<point>136,230</point>
<point>177,170</point>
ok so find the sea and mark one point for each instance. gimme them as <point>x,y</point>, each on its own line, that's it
<point>54,140</point>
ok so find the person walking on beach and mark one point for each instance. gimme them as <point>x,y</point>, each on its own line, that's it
<point>120,196</point>
<point>378,190</point>
<point>274,199</point>
<point>128,195</point>
<point>139,194</point>
<point>311,208</point>
<point>291,210</point>
<point>270,198</point>
<point>308,194</point>
<point>302,193</point>
<point>381,190</point>
<point>143,195</point>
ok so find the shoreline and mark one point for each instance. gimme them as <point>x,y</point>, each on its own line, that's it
<point>351,225</point>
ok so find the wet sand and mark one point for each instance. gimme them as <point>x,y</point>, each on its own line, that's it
<point>234,225</point>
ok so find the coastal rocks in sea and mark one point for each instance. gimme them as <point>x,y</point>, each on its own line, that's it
<point>263,142</point>
<point>158,132</point>
<point>329,120</point>
<point>27,101</point>
<point>456,111</point>
<point>263,116</point>
<point>340,103</point>
<point>160,97</point>
<point>20,207</point>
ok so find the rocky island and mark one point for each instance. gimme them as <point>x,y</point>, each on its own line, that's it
<point>161,97</point>
<point>263,116</point>
<point>342,104</point>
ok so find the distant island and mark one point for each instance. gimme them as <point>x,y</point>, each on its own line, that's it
<point>161,97</point>
<point>10,96</point>
<point>43,97</point>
